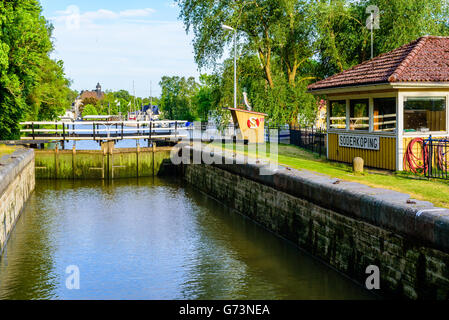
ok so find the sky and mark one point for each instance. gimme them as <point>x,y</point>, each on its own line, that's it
<point>118,42</point>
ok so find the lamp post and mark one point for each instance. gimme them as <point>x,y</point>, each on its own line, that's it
<point>225,27</point>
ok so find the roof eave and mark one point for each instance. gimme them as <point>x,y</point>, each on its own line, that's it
<point>352,88</point>
<point>419,84</point>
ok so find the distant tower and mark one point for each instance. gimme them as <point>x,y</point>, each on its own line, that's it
<point>98,89</point>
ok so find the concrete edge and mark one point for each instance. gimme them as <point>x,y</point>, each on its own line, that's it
<point>391,210</point>
<point>12,165</point>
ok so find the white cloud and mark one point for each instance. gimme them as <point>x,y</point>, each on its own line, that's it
<point>100,14</point>
<point>137,12</point>
<point>72,12</point>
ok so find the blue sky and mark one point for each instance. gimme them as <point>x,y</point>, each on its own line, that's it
<point>116,42</point>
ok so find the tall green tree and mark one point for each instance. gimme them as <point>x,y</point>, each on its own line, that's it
<point>32,86</point>
<point>343,40</point>
<point>285,44</point>
<point>275,40</point>
<point>177,98</point>
<point>208,96</point>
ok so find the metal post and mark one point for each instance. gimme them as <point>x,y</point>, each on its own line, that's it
<point>319,142</point>
<point>176,129</point>
<point>313,141</point>
<point>430,156</point>
<point>32,131</point>
<point>63,136</point>
<point>279,135</point>
<point>235,68</point>
<point>445,158</point>
<point>372,36</point>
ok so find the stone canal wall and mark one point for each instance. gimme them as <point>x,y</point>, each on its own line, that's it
<point>16,184</point>
<point>347,225</point>
<point>108,163</point>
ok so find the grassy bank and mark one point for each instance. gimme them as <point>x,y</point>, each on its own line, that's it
<point>435,191</point>
<point>4,150</point>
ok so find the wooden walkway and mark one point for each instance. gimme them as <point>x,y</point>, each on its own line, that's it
<point>104,130</point>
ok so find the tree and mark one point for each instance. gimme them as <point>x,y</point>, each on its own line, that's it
<point>32,86</point>
<point>285,44</point>
<point>254,18</point>
<point>176,102</point>
<point>123,94</point>
<point>89,110</point>
<point>275,40</point>
<point>343,39</point>
<point>208,96</point>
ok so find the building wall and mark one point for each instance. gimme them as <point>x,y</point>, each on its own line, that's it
<point>384,158</point>
<point>17,181</point>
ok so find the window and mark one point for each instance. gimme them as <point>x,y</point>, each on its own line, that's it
<point>359,115</point>
<point>423,114</point>
<point>384,114</point>
<point>338,114</point>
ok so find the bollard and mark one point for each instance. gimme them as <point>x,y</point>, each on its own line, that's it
<point>357,165</point>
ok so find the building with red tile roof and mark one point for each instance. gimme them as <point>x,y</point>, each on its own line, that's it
<point>96,94</point>
<point>377,108</point>
<point>85,94</point>
<point>422,60</point>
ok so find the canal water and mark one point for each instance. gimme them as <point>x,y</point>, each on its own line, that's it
<point>153,239</point>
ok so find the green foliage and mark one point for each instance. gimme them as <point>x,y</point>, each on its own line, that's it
<point>283,45</point>
<point>208,95</point>
<point>89,110</point>
<point>122,94</point>
<point>32,86</point>
<point>344,41</point>
<point>177,98</point>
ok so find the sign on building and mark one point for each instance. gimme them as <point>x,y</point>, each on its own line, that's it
<point>359,141</point>
<point>250,123</point>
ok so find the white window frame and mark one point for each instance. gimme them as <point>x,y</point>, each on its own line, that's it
<point>329,117</point>
<point>406,95</point>
<point>370,97</point>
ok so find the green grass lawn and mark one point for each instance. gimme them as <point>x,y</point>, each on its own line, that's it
<point>4,150</point>
<point>435,191</point>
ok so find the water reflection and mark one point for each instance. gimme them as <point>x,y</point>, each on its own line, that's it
<point>153,239</point>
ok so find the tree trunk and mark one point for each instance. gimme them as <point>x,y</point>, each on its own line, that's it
<point>267,67</point>
<point>292,75</point>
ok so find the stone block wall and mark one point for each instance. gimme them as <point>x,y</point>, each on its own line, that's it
<point>17,181</point>
<point>317,214</point>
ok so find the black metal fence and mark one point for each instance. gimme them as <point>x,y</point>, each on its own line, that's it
<point>436,158</point>
<point>309,138</point>
<point>305,137</point>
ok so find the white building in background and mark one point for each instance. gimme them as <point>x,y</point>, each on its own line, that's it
<point>68,116</point>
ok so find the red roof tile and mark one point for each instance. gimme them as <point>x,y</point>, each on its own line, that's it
<point>425,59</point>
<point>92,94</point>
